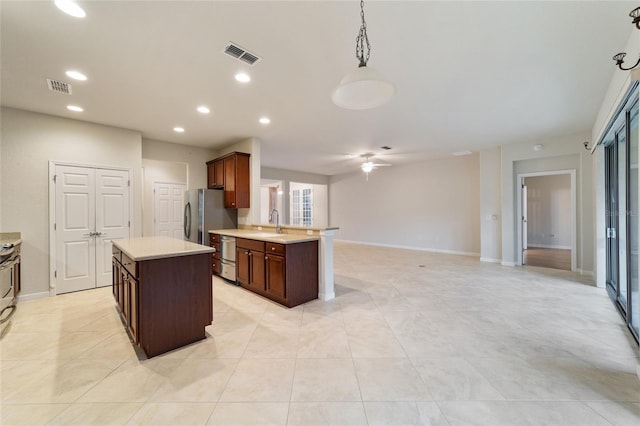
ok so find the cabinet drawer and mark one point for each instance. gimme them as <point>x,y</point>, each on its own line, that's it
<point>214,238</point>
<point>216,248</point>
<point>130,265</point>
<point>250,244</point>
<point>216,265</point>
<point>117,254</point>
<point>274,248</point>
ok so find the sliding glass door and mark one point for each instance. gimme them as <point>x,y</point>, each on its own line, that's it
<point>621,172</point>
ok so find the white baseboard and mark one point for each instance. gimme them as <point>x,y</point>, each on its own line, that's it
<point>504,263</point>
<point>583,272</point>
<point>432,250</point>
<point>489,260</point>
<point>549,246</point>
<point>33,296</point>
<point>326,296</point>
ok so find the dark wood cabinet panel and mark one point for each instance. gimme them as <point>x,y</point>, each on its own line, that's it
<point>165,303</point>
<point>232,173</point>
<point>275,279</point>
<point>243,264</point>
<point>250,264</point>
<point>256,278</point>
<point>215,174</point>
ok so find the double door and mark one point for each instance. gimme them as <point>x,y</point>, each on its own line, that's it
<point>91,209</point>
<point>621,191</point>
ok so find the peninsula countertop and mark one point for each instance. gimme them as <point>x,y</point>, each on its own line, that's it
<point>148,248</point>
<point>270,237</point>
<point>14,238</point>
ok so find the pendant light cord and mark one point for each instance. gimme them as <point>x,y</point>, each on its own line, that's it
<point>362,39</point>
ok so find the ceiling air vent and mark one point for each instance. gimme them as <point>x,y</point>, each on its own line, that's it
<point>59,86</point>
<point>241,54</point>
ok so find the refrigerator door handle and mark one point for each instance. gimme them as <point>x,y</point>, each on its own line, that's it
<point>187,221</point>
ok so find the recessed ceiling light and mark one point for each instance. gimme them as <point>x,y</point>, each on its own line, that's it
<point>460,153</point>
<point>70,7</point>
<point>75,108</point>
<point>243,77</point>
<point>203,109</point>
<point>76,75</point>
<point>264,120</point>
<point>178,129</point>
<point>352,155</point>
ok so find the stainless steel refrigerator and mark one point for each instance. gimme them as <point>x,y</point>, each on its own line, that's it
<point>204,210</point>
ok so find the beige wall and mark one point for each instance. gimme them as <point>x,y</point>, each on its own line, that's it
<point>170,163</point>
<point>29,142</point>
<point>557,154</point>
<point>195,158</point>
<point>490,206</point>
<point>320,182</point>
<point>432,205</point>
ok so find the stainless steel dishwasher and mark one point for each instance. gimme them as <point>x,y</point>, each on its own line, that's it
<point>228,257</point>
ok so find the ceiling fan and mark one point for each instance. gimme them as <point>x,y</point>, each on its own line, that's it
<point>369,165</point>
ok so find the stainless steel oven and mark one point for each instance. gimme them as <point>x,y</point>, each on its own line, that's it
<point>228,257</point>
<point>9,276</point>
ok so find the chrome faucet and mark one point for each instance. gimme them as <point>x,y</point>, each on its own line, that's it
<point>276,219</point>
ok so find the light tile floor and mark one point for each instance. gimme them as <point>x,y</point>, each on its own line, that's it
<point>411,338</point>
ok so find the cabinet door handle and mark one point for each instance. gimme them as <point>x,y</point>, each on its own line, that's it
<point>246,252</point>
<point>266,258</point>
<point>273,248</point>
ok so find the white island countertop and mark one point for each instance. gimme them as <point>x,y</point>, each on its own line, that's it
<point>148,248</point>
<point>270,237</point>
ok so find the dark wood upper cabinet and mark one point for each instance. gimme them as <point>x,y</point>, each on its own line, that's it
<point>232,174</point>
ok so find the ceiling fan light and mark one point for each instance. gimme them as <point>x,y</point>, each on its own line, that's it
<point>363,88</point>
<point>367,167</point>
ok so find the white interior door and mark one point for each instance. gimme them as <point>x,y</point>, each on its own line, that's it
<point>112,218</point>
<point>91,208</point>
<point>168,201</point>
<point>74,225</point>
<point>525,229</point>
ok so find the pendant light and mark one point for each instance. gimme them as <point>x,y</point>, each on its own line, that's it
<point>363,88</point>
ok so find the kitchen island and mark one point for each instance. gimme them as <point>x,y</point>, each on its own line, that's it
<point>162,287</point>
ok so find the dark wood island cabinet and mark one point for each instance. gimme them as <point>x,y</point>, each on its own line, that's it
<point>162,287</point>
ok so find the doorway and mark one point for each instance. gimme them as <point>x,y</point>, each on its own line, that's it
<point>89,207</point>
<point>547,212</point>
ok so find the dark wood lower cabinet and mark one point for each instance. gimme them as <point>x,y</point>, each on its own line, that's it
<point>276,276</point>
<point>165,303</point>
<point>284,273</point>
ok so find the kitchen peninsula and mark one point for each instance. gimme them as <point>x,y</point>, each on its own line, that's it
<point>291,267</point>
<point>163,289</point>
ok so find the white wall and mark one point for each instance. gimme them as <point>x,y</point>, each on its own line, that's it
<point>562,153</point>
<point>490,206</point>
<point>549,211</point>
<point>29,142</point>
<point>432,205</point>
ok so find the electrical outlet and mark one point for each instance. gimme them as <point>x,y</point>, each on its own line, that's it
<point>259,228</point>
<point>309,232</point>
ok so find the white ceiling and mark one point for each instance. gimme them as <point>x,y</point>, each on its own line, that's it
<point>468,74</point>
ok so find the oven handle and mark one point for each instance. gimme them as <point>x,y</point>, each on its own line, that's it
<point>10,263</point>
<point>13,311</point>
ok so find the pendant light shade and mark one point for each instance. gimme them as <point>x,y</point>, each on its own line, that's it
<point>363,88</point>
